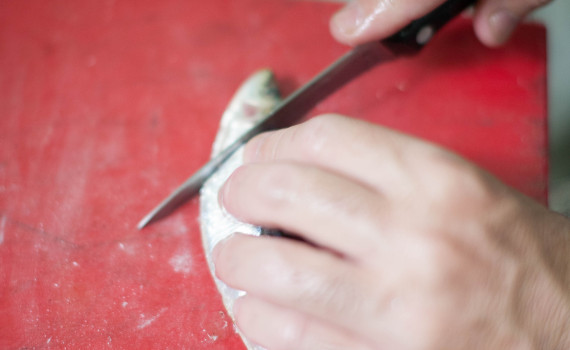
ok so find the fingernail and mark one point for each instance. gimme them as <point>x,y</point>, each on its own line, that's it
<point>223,192</point>
<point>503,23</point>
<point>218,247</point>
<point>237,306</point>
<point>348,20</point>
<point>216,252</point>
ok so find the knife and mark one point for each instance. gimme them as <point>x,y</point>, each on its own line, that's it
<point>360,59</point>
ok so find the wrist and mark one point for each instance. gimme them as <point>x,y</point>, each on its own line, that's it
<point>543,300</point>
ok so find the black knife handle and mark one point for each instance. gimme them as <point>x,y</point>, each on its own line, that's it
<point>419,32</point>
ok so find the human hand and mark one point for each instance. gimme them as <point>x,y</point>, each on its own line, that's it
<point>411,247</point>
<point>366,20</point>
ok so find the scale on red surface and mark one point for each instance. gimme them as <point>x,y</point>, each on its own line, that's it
<point>107,106</point>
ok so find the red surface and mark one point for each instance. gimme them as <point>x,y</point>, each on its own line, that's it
<point>106,106</point>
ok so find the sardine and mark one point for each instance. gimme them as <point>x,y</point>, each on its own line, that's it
<point>256,97</point>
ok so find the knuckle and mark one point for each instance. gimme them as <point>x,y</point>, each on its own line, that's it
<point>260,147</point>
<point>277,184</point>
<point>242,189</point>
<point>311,137</point>
<point>334,292</point>
<point>455,182</point>
<point>296,333</point>
<point>315,135</point>
<point>269,147</point>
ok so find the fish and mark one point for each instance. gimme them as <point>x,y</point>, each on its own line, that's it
<point>255,98</point>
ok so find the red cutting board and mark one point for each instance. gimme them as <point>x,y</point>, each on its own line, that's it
<point>106,106</point>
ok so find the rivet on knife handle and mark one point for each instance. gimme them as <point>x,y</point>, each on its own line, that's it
<point>419,32</point>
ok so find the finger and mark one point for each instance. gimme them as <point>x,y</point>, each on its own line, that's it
<point>366,20</point>
<point>320,206</point>
<point>278,328</point>
<point>376,156</point>
<point>495,20</point>
<point>297,276</point>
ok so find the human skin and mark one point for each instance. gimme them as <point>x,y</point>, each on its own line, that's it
<point>406,245</point>
<point>365,20</point>
<point>412,247</point>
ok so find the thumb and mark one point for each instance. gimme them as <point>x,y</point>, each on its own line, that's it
<point>366,20</point>
<point>495,20</point>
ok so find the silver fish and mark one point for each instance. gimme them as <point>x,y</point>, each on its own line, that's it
<point>256,97</point>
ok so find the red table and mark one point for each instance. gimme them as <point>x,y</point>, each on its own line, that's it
<point>106,106</point>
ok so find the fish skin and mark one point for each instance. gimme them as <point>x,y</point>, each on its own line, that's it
<point>255,98</point>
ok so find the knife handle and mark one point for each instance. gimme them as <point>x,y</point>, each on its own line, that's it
<point>419,32</point>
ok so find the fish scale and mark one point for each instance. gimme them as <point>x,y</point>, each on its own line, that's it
<point>256,97</point>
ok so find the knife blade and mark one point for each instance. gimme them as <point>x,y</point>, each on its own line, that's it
<point>360,59</point>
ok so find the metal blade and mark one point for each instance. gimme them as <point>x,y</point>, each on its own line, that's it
<point>292,109</point>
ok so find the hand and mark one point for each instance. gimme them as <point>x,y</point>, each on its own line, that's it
<point>366,20</point>
<point>409,247</point>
